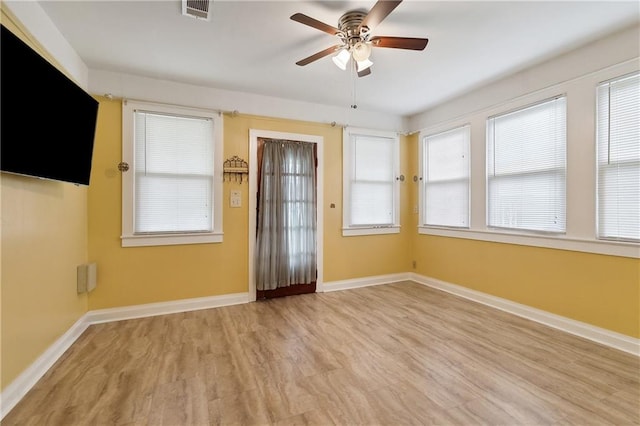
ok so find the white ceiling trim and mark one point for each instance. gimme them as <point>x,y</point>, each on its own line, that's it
<point>618,48</point>
<point>129,86</point>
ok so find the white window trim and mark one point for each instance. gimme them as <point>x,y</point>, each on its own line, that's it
<point>129,238</point>
<point>348,230</point>
<point>560,242</point>
<point>423,182</point>
<point>370,230</point>
<point>581,230</point>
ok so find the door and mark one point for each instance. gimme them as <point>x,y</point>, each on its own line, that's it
<point>286,226</point>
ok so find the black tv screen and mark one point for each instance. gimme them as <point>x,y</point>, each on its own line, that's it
<point>47,122</point>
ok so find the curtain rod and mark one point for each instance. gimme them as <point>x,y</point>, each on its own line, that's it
<point>235,113</point>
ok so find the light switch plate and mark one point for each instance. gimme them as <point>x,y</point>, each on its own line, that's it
<point>235,200</point>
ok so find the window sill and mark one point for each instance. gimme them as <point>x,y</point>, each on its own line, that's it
<point>170,239</point>
<point>372,230</point>
<point>610,248</point>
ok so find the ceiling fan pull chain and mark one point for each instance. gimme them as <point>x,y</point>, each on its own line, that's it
<point>354,103</point>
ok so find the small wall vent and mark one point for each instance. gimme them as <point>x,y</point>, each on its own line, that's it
<point>198,9</point>
<point>87,277</point>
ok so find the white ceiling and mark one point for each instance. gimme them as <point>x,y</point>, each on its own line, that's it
<point>252,46</point>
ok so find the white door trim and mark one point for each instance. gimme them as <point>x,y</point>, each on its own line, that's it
<point>254,134</point>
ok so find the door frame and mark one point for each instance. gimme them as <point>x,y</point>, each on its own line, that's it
<point>254,134</point>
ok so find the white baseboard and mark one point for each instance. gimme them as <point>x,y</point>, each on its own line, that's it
<point>164,308</point>
<point>364,282</point>
<point>600,335</point>
<point>17,389</point>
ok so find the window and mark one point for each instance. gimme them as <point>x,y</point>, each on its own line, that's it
<point>445,179</point>
<point>526,168</point>
<point>371,189</point>
<point>172,193</point>
<point>618,136</point>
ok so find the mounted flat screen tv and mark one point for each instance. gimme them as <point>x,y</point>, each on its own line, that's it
<point>47,122</point>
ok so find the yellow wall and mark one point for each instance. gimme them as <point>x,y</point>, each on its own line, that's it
<point>137,275</point>
<point>595,289</point>
<point>44,239</point>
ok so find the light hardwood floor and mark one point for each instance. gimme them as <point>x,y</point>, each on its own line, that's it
<point>386,355</point>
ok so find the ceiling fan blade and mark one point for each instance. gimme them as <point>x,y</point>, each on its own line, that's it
<point>365,72</point>
<point>378,12</point>
<point>316,56</point>
<point>307,20</point>
<point>400,42</point>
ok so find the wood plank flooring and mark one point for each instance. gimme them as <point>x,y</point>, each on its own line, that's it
<point>396,354</point>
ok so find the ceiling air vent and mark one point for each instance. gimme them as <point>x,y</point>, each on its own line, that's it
<point>198,9</point>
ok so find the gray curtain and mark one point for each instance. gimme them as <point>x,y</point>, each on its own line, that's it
<point>286,234</point>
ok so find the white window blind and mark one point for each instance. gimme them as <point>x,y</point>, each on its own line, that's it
<point>371,187</point>
<point>173,173</point>
<point>445,165</point>
<point>526,168</point>
<point>372,180</point>
<point>618,135</point>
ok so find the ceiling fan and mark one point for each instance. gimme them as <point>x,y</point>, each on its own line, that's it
<point>356,39</point>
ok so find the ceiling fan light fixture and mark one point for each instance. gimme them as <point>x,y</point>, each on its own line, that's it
<point>363,65</point>
<point>355,38</point>
<point>341,59</point>
<point>361,51</point>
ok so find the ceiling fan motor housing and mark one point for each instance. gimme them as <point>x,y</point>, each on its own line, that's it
<point>349,25</point>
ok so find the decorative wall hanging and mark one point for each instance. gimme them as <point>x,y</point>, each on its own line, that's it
<point>235,168</point>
